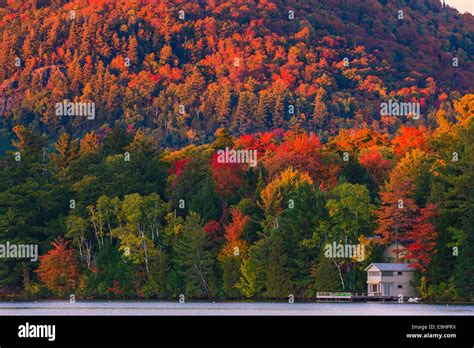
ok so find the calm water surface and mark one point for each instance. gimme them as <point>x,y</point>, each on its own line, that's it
<point>227,308</point>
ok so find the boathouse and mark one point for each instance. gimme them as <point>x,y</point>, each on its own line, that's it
<point>390,279</point>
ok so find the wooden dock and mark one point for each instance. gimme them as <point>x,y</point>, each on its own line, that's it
<point>350,297</point>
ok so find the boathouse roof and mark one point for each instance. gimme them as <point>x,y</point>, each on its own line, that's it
<point>391,267</point>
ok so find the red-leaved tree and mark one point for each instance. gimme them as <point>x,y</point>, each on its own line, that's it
<point>58,268</point>
<point>227,177</point>
<point>214,229</point>
<point>376,165</point>
<point>304,153</point>
<point>423,236</point>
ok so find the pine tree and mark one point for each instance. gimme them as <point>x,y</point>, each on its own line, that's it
<point>66,151</point>
<point>206,202</point>
<point>27,47</point>
<point>86,39</point>
<point>195,82</point>
<point>53,33</point>
<point>278,112</point>
<point>263,115</point>
<point>75,73</point>
<point>463,275</point>
<point>320,113</point>
<point>231,277</point>
<point>246,107</point>
<point>166,55</point>
<point>223,106</point>
<point>30,201</point>
<point>327,275</point>
<point>72,42</point>
<point>460,201</point>
<point>223,139</point>
<point>278,282</point>
<point>103,36</point>
<point>194,260</point>
<point>97,86</point>
<point>443,260</point>
<point>7,55</point>
<point>132,52</point>
<point>297,224</point>
<point>248,279</point>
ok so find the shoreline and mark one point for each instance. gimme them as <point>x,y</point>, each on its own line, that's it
<point>227,301</point>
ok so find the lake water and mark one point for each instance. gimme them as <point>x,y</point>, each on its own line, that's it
<point>227,308</point>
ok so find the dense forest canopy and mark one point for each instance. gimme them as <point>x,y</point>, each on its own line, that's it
<point>359,115</point>
<point>187,68</point>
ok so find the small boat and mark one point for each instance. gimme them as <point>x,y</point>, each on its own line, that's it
<point>414,299</point>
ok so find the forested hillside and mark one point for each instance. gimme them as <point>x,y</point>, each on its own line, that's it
<point>136,200</point>
<point>187,68</point>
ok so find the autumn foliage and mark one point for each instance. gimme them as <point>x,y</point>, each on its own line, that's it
<point>144,206</point>
<point>409,138</point>
<point>227,177</point>
<point>57,269</point>
<point>235,245</point>
<point>378,166</point>
<point>422,237</point>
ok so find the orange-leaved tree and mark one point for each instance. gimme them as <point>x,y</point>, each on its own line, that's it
<point>398,211</point>
<point>409,138</point>
<point>58,268</point>
<point>234,245</point>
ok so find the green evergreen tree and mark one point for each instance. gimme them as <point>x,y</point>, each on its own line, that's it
<point>460,200</point>
<point>327,275</point>
<point>194,260</point>
<point>231,277</point>
<point>113,277</point>
<point>206,202</point>
<point>30,202</point>
<point>305,208</point>
<point>278,279</point>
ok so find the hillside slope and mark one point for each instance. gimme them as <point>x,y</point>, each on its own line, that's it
<point>243,65</point>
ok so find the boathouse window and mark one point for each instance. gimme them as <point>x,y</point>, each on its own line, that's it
<point>374,274</point>
<point>399,273</point>
<point>387,273</point>
<point>400,286</point>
